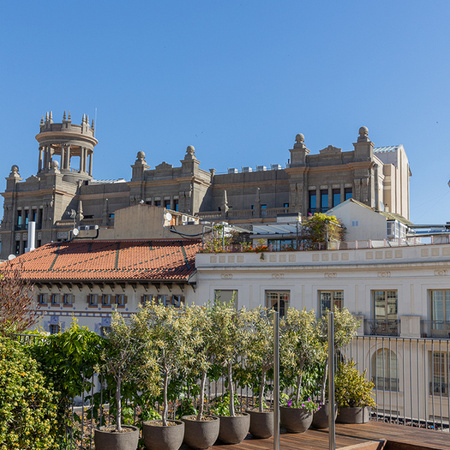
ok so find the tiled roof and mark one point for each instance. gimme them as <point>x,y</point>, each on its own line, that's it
<point>109,261</point>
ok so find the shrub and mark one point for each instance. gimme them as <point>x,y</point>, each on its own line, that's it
<point>351,387</point>
<point>27,402</point>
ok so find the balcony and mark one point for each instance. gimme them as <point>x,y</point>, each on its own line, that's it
<point>435,328</point>
<point>387,327</point>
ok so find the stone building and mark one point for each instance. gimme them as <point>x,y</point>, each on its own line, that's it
<point>64,194</point>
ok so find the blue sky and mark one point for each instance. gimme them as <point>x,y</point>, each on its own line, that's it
<point>236,79</point>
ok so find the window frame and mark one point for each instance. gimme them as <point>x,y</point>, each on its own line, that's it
<point>273,300</point>
<point>334,293</point>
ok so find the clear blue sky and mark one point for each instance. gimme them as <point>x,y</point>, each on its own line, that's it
<point>236,79</point>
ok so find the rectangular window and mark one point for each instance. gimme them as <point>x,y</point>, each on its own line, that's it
<point>157,202</point>
<point>68,299</point>
<point>25,217</point>
<point>226,296</point>
<point>176,204</point>
<point>385,309</point>
<point>54,328</point>
<point>312,202</point>
<point>147,299</point>
<point>92,299</point>
<point>264,210</point>
<point>278,300</point>
<point>104,331</point>
<point>106,299</point>
<point>33,215</point>
<point>167,204</point>
<point>336,197</point>
<point>330,300</point>
<point>43,299</point>
<point>55,299</point>
<point>177,301</point>
<point>348,193</point>
<point>17,248</point>
<point>324,200</point>
<point>440,373</point>
<point>19,218</point>
<point>286,207</point>
<point>121,300</point>
<point>440,311</point>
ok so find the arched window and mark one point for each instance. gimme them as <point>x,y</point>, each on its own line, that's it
<point>385,370</point>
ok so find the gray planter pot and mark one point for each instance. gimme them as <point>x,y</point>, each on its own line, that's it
<point>320,418</point>
<point>105,439</point>
<point>353,415</point>
<point>295,420</point>
<point>200,434</point>
<point>261,424</point>
<point>157,437</point>
<point>234,429</point>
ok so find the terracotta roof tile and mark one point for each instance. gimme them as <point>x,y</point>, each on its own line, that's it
<point>109,260</point>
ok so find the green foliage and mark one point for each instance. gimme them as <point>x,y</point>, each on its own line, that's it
<point>300,346</point>
<point>351,387</point>
<point>220,406</point>
<point>261,345</point>
<point>169,330</point>
<point>128,357</point>
<point>306,403</point>
<point>229,343</point>
<point>68,362</point>
<point>321,229</point>
<point>27,401</point>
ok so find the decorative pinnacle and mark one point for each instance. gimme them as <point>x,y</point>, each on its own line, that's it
<point>64,116</point>
<point>83,120</point>
<point>70,117</point>
<point>51,116</point>
<point>92,126</point>
<point>46,116</point>
<point>42,120</point>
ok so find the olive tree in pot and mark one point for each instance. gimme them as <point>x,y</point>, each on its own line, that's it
<point>259,363</point>
<point>299,347</point>
<point>169,330</point>
<point>125,354</point>
<point>345,326</point>
<point>201,431</point>
<point>230,344</point>
<point>353,394</point>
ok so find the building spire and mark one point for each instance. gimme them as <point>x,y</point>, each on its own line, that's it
<point>64,116</point>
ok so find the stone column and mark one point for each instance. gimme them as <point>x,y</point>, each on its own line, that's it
<point>68,157</point>
<point>40,160</point>
<point>90,163</point>
<point>63,156</point>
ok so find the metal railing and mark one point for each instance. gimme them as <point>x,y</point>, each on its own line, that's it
<point>435,328</point>
<point>411,378</point>
<point>387,327</point>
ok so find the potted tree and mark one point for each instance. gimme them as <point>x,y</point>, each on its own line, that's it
<point>201,431</point>
<point>299,346</point>
<point>124,355</point>
<point>345,326</point>
<point>259,362</point>
<point>353,394</point>
<point>170,332</point>
<point>229,344</point>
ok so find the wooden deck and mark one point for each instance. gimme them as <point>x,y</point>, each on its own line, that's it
<point>369,436</point>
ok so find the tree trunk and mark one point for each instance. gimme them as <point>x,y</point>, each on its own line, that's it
<point>324,383</point>
<point>202,396</point>
<point>231,389</point>
<point>299,382</point>
<point>261,391</point>
<point>165,403</point>
<point>119,407</point>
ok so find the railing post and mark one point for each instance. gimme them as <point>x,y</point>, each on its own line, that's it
<point>276,381</point>
<point>331,428</point>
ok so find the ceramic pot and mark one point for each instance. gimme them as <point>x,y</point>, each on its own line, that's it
<point>353,415</point>
<point>261,424</point>
<point>200,434</point>
<point>234,429</point>
<point>295,420</point>
<point>107,439</point>
<point>320,418</point>
<point>157,437</point>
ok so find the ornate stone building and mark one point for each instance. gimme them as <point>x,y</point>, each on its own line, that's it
<point>64,193</point>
